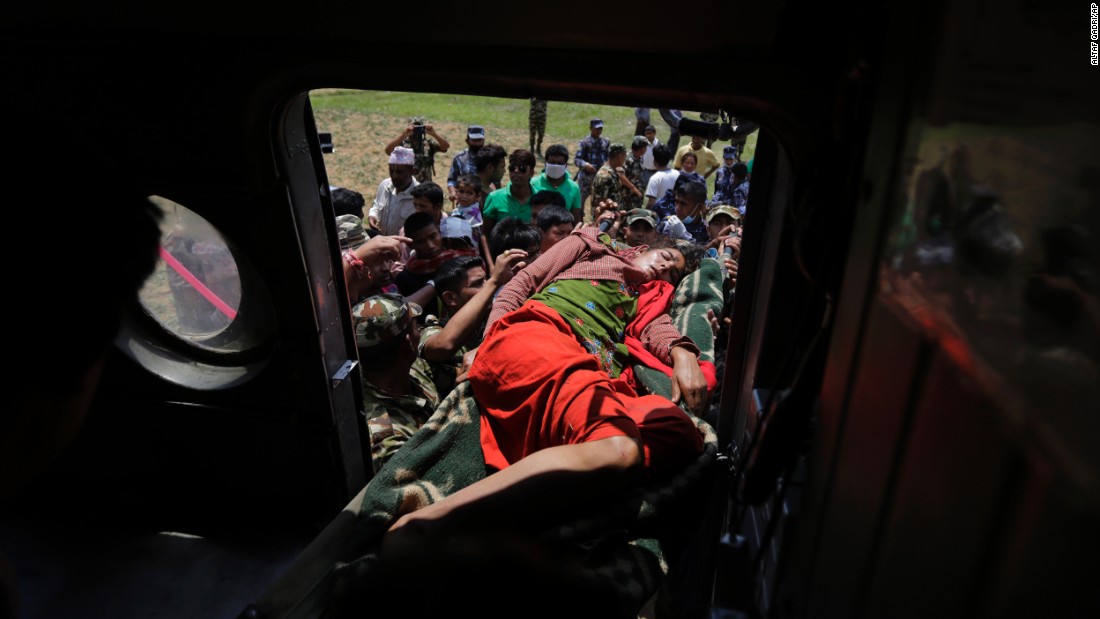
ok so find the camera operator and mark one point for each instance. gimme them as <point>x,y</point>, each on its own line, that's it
<point>425,143</point>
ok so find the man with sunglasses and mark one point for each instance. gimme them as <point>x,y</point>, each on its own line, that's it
<point>514,199</point>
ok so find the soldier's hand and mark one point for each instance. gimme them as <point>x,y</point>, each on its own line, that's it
<point>607,205</point>
<point>381,248</point>
<point>591,169</point>
<point>733,242</point>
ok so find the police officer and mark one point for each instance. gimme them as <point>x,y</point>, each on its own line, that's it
<point>591,154</point>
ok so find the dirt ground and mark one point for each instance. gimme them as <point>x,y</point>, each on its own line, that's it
<point>359,159</point>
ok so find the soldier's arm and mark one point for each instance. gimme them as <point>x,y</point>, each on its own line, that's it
<point>394,143</point>
<point>441,142</point>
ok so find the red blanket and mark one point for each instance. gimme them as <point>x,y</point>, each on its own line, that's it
<point>654,300</point>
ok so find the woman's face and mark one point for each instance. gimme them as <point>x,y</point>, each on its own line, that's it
<point>663,263</point>
<point>688,164</point>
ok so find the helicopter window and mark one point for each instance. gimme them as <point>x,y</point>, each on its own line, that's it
<point>196,327</point>
<point>195,292</point>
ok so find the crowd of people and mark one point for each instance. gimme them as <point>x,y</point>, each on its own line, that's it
<point>539,292</point>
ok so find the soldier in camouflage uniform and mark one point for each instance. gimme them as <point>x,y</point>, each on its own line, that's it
<point>536,123</point>
<point>635,173</point>
<point>425,143</point>
<point>591,154</point>
<point>398,393</point>
<point>608,183</point>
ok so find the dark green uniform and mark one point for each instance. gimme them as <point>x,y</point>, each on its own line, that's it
<point>393,419</point>
<point>536,122</point>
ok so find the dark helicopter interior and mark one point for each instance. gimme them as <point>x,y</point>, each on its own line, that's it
<point>908,414</point>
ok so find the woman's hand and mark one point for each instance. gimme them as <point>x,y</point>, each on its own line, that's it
<point>688,381</point>
<point>464,371</point>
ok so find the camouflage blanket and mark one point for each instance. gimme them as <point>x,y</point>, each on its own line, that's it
<point>624,539</point>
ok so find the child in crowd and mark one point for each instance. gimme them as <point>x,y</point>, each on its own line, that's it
<point>467,206</point>
<point>554,222</point>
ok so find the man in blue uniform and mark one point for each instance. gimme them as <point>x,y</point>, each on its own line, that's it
<point>591,154</point>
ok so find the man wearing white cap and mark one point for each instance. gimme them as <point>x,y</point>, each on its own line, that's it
<point>394,203</point>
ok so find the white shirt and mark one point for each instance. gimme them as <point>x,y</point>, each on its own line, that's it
<point>661,183</point>
<point>647,159</point>
<point>392,207</point>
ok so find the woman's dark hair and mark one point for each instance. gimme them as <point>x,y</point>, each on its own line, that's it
<point>693,253</point>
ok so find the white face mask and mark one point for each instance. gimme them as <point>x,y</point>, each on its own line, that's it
<point>555,171</point>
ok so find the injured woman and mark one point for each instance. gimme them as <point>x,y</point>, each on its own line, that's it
<point>555,481</point>
<point>561,423</point>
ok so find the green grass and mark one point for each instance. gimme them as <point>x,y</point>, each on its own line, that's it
<point>566,123</point>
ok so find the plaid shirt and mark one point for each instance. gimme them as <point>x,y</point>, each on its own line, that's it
<point>582,256</point>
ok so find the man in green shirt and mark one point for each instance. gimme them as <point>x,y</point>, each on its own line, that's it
<point>514,200</point>
<point>555,178</point>
<point>398,393</point>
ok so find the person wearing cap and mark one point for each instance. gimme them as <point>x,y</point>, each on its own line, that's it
<point>465,162</point>
<point>723,182</point>
<point>724,222</point>
<point>554,178</point>
<point>706,160</point>
<point>536,124</point>
<point>398,393</point>
<point>424,142</point>
<point>378,276</point>
<point>591,154</point>
<point>635,172</point>
<point>394,202</point>
<point>641,227</point>
<point>611,183</point>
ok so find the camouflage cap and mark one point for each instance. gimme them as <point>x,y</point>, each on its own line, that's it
<point>639,142</point>
<point>723,209</point>
<point>616,149</point>
<point>351,231</point>
<point>641,214</point>
<point>381,318</point>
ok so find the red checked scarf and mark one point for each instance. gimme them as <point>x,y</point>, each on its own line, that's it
<point>654,300</point>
